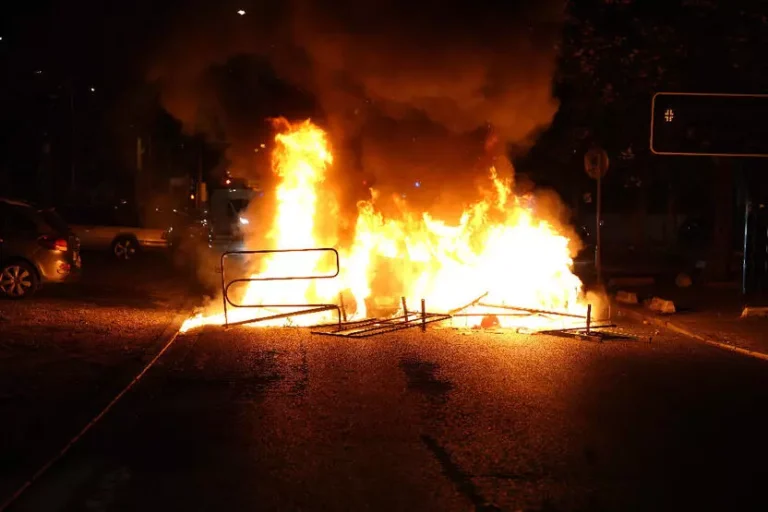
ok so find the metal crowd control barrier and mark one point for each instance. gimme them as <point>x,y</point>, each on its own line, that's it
<point>304,309</point>
<point>375,326</point>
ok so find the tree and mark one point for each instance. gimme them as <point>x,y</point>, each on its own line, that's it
<point>617,53</point>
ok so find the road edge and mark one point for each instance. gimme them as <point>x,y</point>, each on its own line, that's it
<point>165,340</point>
<point>675,327</point>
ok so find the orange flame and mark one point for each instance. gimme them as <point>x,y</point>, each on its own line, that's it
<point>499,250</point>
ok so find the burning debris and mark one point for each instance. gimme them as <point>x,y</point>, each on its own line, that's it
<point>501,252</point>
<point>408,94</point>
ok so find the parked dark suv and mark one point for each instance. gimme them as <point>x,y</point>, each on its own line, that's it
<point>36,247</point>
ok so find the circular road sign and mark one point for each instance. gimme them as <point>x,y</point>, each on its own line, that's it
<point>596,163</point>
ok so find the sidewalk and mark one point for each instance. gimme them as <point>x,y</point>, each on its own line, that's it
<point>711,314</point>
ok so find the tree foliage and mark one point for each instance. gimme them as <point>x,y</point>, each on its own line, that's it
<point>617,53</point>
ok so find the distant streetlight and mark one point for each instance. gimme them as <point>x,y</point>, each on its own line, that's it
<point>241,12</point>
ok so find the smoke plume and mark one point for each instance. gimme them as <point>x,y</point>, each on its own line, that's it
<point>409,91</point>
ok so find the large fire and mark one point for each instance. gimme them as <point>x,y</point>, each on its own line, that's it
<point>499,250</point>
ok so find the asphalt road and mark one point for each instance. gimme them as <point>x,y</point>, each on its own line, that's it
<point>279,419</point>
<point>65,352</point>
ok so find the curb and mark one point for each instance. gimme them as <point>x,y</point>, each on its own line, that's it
<point>660,322</point>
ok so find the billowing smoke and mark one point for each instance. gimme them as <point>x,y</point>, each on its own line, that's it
<point>409,91</point>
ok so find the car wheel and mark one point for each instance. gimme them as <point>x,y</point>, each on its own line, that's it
<point>18,280</point>
<point>125,248</point>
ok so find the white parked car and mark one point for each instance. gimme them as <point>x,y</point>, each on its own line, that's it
<point>115,229</point>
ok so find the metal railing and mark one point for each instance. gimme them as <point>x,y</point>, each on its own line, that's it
<point>303,309</point>
<point>375,326</point>
<point>592,330</point>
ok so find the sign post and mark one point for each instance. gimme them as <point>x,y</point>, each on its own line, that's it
<point>596,164</point>
<point>720,125</point>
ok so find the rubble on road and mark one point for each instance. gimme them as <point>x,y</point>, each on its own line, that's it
<point>718,315</point>
<point>666,307</point>
<point>751,312</point>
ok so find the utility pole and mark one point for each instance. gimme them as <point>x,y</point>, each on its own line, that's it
<point>139,159</point>
<point>138,182</point>
<point>73,141</point>
<point>199,183</point>
<point>598,232</point>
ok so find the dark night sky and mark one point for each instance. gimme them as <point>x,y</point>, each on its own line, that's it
<point>113,44</point>
<point>52,48</point>
<point>100,42</point>
<point>399,89</point>
<point>382,73</point>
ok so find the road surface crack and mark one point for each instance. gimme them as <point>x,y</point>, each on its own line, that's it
<point>460,479</point>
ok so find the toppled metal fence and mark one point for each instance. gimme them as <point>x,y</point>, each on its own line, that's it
<point>585,329</point>
<point>375,326</point>
<point>588,330</point>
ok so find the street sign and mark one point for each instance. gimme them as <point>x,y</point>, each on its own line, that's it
<point>596,163</point>
<point>718,125</point>
<point>707,124</point>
